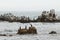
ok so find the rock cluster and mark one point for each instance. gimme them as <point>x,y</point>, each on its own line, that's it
<point>46,16</point>
<point>31,30</point>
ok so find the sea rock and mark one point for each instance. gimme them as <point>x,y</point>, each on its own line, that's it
<point>52,32</point>
<point>3,35</point>
<point>31,30</point>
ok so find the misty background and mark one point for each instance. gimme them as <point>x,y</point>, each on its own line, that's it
<point>31,8</point>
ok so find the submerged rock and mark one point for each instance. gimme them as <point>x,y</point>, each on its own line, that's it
<point>3,35</point>
<point>52,32</point>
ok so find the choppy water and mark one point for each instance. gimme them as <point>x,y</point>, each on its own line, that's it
<point>42,28</point>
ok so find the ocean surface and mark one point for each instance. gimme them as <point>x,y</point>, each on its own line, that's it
<point>43,30</point>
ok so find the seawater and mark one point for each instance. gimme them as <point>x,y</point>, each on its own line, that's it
<point>43,30</point>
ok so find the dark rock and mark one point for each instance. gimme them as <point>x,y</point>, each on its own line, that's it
<point>3,35</point>
<point>31,30</point>
<point>52,32</point>
<point>10,35</point>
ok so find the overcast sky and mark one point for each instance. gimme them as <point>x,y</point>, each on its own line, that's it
<point>29,5</point>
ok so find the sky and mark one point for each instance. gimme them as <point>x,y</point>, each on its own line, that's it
<point>29,5</point>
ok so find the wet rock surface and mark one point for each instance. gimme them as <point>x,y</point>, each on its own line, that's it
<point>53,32</point>
<point>31,30</point>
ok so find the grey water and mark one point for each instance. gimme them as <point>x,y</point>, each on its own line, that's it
<point>43,30</point>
